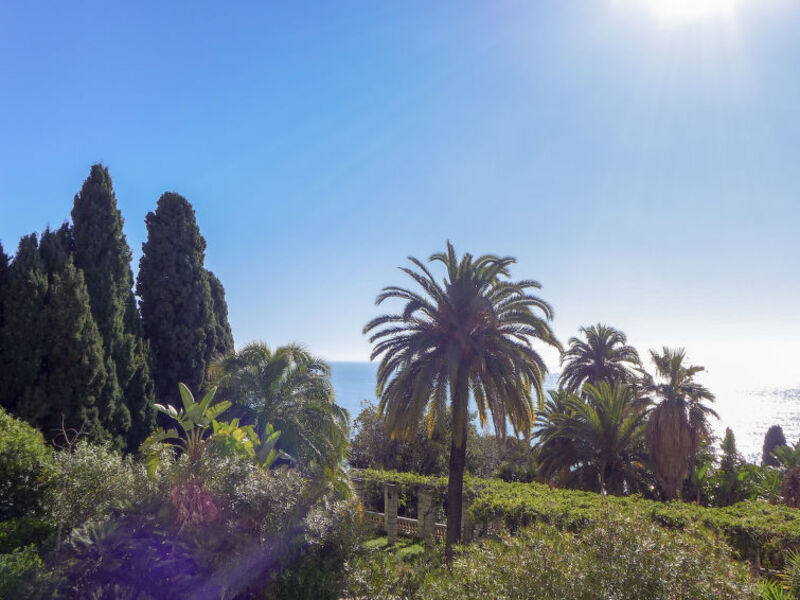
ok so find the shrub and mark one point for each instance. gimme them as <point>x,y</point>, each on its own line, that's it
<point>620,558</point>
<point>23,576</point>
<point>749,527</point>
<point>18,533</point>
<point>92,482</point>
<point>333,530</point>
<point>24,462</point>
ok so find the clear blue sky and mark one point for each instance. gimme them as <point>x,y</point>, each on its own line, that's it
<point>641,158</point>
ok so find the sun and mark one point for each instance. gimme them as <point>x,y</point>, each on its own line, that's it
<point>691,10</point>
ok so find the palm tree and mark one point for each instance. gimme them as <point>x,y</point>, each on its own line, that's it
<point>471,332</point>
<point>680,421</point>
<point>290,389</point>
<point>604,356</point>
<point>594,442</point>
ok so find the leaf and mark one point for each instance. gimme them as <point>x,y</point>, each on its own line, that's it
<point>214,411</point>
<point>186,396</point>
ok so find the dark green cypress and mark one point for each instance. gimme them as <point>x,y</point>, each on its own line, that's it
<point>223,338</point>
<point>22,338</point>
<point>773,439</point>
<point>175,298</point>
<point>103,254</point>
<point>3,280</point>
<point>52,358</point>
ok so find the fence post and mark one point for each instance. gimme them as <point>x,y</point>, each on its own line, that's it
<point>390,512</point>
<point>425,514</point>
<point>358,487</point>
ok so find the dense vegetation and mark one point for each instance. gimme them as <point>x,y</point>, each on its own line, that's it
<point>75,351</point>
<point>117,482</point>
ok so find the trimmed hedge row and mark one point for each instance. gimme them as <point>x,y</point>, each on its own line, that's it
<point>756,530</point>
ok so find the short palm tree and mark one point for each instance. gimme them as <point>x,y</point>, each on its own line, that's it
<point>471,331</point>
<point>604,356</point>
<point>290,389</point>
<point>595,441</point>
<point>680,421</point>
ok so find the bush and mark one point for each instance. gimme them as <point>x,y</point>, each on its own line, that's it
<point>23,576</point>
<point>620,559</point>
<point>92,482</point>
<point>333,530</point>
<point>750,527</point>
<point>18,533</point>
<point>24,462</point>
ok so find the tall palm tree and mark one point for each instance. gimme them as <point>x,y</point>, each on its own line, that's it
<point>595,442</point>
<point>604,356</point>
<point>680,421</point>
<point>470,332</point>
<point>290,389</point>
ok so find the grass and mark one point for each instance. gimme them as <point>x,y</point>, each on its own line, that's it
<point>404,548</point>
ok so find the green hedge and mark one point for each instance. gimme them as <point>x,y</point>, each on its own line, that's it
<point>748,527</point>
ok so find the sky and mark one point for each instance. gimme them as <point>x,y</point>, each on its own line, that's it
<point>638,157</point>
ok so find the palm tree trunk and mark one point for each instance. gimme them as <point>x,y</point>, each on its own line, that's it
<point>458,459</point>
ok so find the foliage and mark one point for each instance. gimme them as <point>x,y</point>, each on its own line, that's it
<point>730,480</point>
<point>470,333</point>
<point>746,526</point>
<point>617,558</point>
<point>373,447</point>
<point>25,460</point>
<point>91,482</point>
<point>679,423</point>
<point>773,439</point>
<point>595,442</point>
<point>223,336</point>
<point>319,573</point>
<point>788,459</point>
<point>290,389</point>
<point>198,430</point>
<point>195,423</point>
<point>604,356</point>
<point>176,302</point>
<point>102,253</point>
<point>24,576</point>
<point>381,573</point>
<point>25,531</point>
<point>51,354</point>
<point>3,281</point>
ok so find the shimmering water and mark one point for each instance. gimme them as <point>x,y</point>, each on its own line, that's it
<point>748,412</point>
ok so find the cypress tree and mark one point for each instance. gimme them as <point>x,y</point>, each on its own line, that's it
<point>175,298</point>
<point>22,338</point>
<point>223,337</point>
<point>52,357</point>
<point>103,254</point>
<point>773,439</point>
<point>3,280</point>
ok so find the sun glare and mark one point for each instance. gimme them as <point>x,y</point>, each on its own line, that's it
<point>691,10</point>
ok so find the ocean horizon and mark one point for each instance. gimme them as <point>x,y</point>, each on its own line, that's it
<point>748,412</point>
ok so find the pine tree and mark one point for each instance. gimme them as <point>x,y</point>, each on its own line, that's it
<point>175,298</point>
<point>773,439</point>
<point>103,254</point>
<point>223,336</point>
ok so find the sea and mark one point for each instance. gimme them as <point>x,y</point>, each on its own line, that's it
<point>748,412</point>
